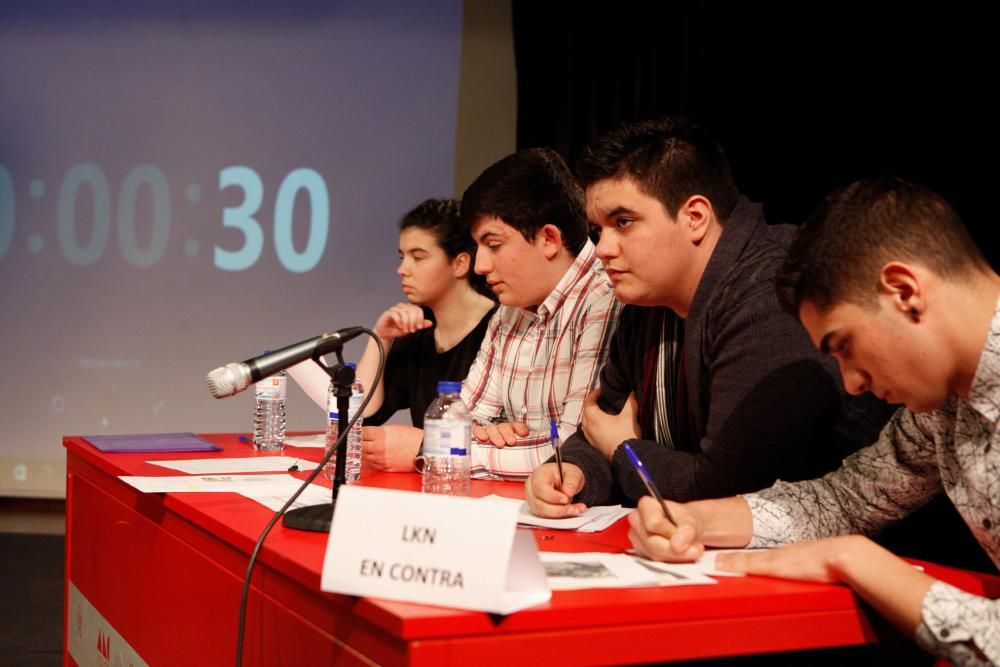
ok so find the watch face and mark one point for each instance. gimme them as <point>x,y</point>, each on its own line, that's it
<point>418,463</point>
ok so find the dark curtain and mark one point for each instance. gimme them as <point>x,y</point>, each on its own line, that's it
<point>804,97</point>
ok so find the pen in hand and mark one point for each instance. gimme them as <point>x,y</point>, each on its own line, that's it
<point>647,480</point>
<point>556,445</point>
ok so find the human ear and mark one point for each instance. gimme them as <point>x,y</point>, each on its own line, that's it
<point>902,283</point>
<point>551,239</point>
<point>696,214</point>
<point>460,265</point>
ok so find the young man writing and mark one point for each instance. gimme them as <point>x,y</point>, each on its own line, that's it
<point>885,279</point>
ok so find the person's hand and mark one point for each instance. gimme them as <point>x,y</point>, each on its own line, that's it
<point>400,320</point>
<point>653,536</point>
<point>606,432</point>
<point>390,448</point>
<point>547,498</point>
<point>499,435</point>
<point>819,560</point>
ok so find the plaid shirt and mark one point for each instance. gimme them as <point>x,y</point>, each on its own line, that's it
<point>534,367</point>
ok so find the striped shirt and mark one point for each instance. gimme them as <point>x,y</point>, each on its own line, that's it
<point>534,367</point>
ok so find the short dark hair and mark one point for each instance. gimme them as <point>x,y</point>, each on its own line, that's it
<point>838,254</point>
<point>669,159</point>
<point>442,219</point>
<point>528,190</point>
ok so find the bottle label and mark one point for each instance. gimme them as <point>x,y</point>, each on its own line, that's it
<point>272,388</point>
<point>446,438</point>
<point>352,407</point>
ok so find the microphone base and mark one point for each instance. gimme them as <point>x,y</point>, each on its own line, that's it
<point>315,518</point>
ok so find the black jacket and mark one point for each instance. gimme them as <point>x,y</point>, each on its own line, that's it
<point>759,403</point>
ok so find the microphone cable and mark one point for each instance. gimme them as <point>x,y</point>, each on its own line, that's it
<point>244,596</point>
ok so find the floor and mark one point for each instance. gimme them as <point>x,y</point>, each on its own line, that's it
<point>32,540</point>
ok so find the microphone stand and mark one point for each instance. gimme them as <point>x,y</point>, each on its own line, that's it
<point>317,518</point>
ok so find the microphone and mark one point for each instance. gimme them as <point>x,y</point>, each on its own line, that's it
<point>235,377</point>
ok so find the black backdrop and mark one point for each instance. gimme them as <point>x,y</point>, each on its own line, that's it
<point>805,98</point>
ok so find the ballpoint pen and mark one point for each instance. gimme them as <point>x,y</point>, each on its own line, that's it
<point>556,446</point>
<point>499,418</point>
<point>647,480</point>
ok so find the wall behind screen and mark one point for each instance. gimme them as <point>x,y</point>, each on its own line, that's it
<point>185,186</point>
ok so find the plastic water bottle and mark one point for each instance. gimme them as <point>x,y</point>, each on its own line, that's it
<point>269,413</point>
<point>447,434</point>
<point>352,470</point>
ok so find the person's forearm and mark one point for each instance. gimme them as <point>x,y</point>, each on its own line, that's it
<point>367,368</point>
<point>405,443</point>
<point>511,462</point>
<point>892,586</point>
<point>725,522</point>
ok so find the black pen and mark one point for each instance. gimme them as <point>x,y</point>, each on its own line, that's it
<point>647,480</point>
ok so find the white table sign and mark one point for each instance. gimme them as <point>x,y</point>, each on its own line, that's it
<point>433,549</point>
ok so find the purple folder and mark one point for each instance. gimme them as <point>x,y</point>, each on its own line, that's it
<point>152,442</point>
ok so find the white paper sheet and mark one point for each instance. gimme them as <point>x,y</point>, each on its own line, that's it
<point>593,520</point>
<point>215,465</point>
<point>575,571</point>
<point>314,494</point>
<point>220,483</point>
<point>703,566</point>
<point>680,574</point>
<point>433,549</point>
<point>314,440</point>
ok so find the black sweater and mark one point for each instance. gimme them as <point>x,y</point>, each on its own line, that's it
<point>414,367</point>
<point>760,402</point>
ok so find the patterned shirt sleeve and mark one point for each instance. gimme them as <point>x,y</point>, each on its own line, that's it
<point>959,626</point>
<point>575,367</point>
<point>874,487</point>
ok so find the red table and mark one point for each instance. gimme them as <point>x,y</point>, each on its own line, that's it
<point>165,571</point>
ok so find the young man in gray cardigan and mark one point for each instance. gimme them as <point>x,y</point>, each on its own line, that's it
<point>718,390</point>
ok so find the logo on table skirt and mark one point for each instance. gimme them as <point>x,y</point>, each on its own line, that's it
<point>104,646</point>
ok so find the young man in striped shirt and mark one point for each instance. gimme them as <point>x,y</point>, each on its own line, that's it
<point>548,340</point>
